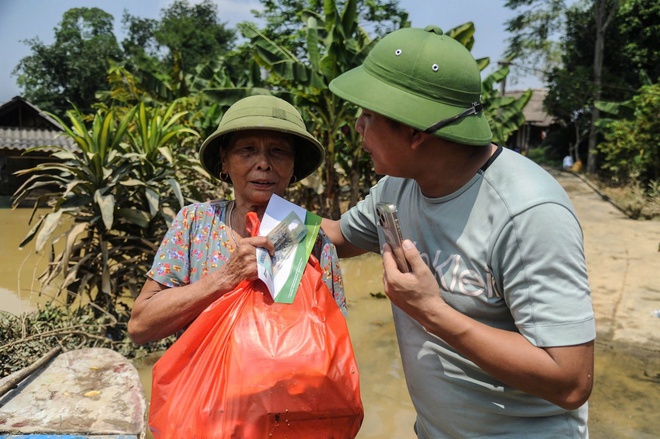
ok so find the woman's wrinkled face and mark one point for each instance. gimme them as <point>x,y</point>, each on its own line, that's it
<point>260,163</point>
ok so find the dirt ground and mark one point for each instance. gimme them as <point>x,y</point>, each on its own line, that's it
<point>623,258</point>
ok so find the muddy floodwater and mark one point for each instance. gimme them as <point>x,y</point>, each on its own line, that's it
<point>625,403</point>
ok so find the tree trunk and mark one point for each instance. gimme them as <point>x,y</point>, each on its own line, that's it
<point>574,151</point>
<point>333,210</point>
<point>355,189</point>
<point>603,19</point>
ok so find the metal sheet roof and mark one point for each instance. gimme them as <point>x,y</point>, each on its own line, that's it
<point>21,139</point>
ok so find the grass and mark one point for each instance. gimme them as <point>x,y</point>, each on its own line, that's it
<point>633,200</point>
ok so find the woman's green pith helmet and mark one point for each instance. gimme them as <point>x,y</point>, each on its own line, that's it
<point>264,112</point>
<point>424,79</point>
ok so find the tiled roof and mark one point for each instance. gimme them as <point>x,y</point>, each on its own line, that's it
<point>21,139</point>
<point>533,111</point>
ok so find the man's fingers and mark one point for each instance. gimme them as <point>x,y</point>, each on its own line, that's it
<point>388,258</point>
<point>412,254</point>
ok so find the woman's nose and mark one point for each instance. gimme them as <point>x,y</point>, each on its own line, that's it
<point>263,161</point>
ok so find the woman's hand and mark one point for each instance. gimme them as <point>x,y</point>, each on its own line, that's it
<point>160,311</point>
<point>242,264</point>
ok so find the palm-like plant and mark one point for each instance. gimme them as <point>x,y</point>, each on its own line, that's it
<point>120,190</point>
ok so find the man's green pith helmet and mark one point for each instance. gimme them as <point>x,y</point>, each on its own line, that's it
<point>424,79</point>
<point>264,112</point>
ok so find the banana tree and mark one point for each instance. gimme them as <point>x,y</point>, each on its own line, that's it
<point>335,43</point>
<point>505,113</point>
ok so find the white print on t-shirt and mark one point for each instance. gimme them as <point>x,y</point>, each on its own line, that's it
<point>455,276</point>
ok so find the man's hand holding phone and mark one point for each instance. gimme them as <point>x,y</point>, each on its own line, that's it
<point>389,221</point>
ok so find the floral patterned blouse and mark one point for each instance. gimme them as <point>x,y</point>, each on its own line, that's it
<point>197,243</point>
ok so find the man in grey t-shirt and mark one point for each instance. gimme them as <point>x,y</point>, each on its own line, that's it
<point>495,322</point>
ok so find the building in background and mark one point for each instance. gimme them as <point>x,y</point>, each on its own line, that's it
<point>537,122</point>
<point>23,126</point>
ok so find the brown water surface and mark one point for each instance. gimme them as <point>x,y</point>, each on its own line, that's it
<point>19,269</point>
<point>625,403</point>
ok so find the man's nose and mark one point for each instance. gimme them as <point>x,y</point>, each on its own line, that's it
<point>359,124</point>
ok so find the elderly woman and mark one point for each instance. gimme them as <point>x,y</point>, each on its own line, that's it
<point>261,147</point>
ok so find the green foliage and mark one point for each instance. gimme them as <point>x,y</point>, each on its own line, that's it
<point>532,29</point>
<point>186,36</point>
<point>631,149</point>
<point>73,67</point>
<point>627,59</point>
<point>195,32</point>
<point>285,19</point>
<point>631,54</point>
<point>160,53</point>
<point>505,113</point>
<point>121,189</point>
<point>639,33</point>
<point>335,43</point>
<point>543,156</point>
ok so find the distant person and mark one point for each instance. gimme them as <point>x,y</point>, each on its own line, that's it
<point>495,323</point>
<point>567,162</point>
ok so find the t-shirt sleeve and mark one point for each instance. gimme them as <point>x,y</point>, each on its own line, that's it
<point>359,224</point>
<point>171,266</point>
<point>544,276</point>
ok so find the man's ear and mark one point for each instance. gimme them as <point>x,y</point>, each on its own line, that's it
<point>417,138</point>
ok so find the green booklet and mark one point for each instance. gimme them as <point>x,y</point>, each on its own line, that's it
<point>293,231</point>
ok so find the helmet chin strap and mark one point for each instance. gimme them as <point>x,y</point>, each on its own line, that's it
<point>476,108</point>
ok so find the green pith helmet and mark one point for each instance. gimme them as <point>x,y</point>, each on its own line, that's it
<point>424,79</point>
<point>263,112</point>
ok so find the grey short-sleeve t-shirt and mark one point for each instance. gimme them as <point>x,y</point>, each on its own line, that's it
<point>506,250</point>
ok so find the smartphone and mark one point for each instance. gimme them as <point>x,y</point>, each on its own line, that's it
<point>389,221</point>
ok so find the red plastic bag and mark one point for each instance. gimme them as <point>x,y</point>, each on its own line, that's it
<point>248,367</point>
